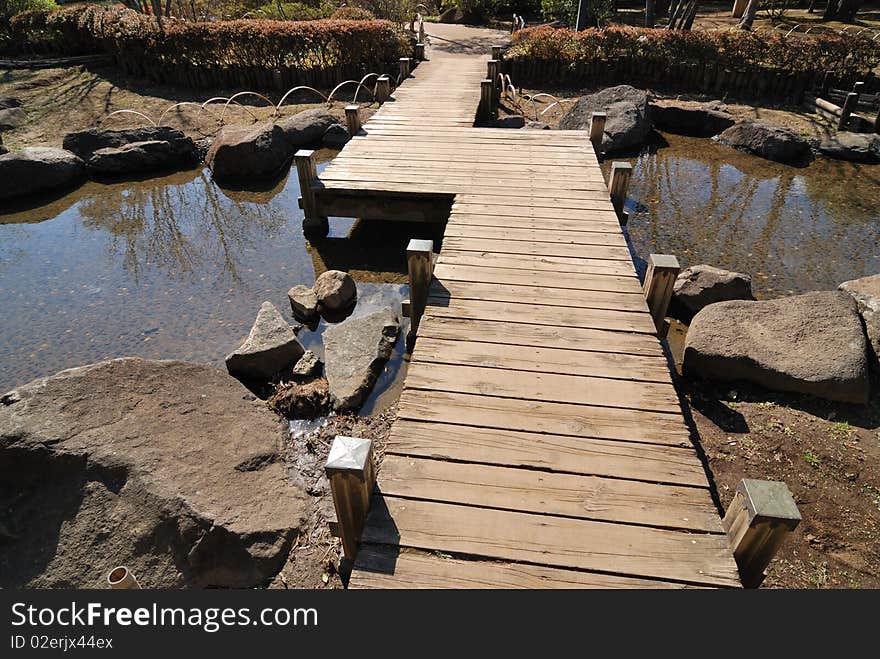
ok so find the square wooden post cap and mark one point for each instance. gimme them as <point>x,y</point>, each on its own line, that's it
<point>769,501</point>
<point>348,454</point>
<point>417,246</point>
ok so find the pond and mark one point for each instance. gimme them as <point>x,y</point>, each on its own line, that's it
<point>792,229</point>
<point>173,267</point>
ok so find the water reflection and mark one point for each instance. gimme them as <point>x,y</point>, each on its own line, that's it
<point>792,229</point>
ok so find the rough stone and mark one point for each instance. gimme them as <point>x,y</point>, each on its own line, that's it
<point>85,143</point>
<point>12,118</point>
<point>167,467</point>
<point>811,343</point>
<point>511,121</point>
<point>38,169</point>
<point>767,141</point>
<point>248,152</point>
<point>306,128</point>
<point>270,347</point>
<point>335,290</point>
<point>303,303</point>
<point>354,352</point>
<point>866,292</point>
<point>335,137</point>
<point>537,125</point>
<point>132,158</point>
<point>308,365</point>
<point>697,121</point>
<point>628,120</point>
<point>856,147</point>
<point>701,285</point>
<point>7,102</point>
<point>3,149</point>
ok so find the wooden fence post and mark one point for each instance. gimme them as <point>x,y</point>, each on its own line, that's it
<point>351,474</point>
<point>761,514</point>
<point>849,105</point>
<point>493,67</point>
<point>659,280</point>
<point>383,88</point>
<point>877,122</point>
<point>404,68</point>
<point>597,130</point>
<point>496,52</point>
<point>420,52</point>
<point>353,119</point>
<point>420,265</point>
<point>827,78</point>
<point>621,172</point>
<point>307,172</point>
<point>487,101</point>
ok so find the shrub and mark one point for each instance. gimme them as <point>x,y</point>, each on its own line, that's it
<point>353,14</point>
<point>294,11</point>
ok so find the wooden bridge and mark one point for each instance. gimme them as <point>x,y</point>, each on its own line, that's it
<point>539,440</point>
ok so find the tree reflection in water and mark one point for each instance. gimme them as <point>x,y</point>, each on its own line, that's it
<point>184,224</point>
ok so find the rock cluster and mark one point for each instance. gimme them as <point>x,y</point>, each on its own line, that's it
<point>38,169</point>
<point>132,151</point>
<point>270,348</point>
<point>333,294</point>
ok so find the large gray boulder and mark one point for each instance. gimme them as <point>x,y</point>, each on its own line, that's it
<point>699,121</point>
<point>767,141</point>
<point>354,352</point>
<point>170,468</point>
<point>856,147</point>
<point>84,143</point>
<point>811,343</point>
<point>335,137</point>
<point>307,128</point>
<point>249,152</point>
<point>866,292</point>
<point>133,158</point>
<point>270,347</point>
<point>336,291</point>
<point>701,285</point>
<point>38,169</point>
<point>628,120</point>
<point>12,118</point>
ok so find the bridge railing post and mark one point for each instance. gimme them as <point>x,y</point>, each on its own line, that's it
<point>420,266</point>
<point>761,514</point>
<point>846,111</point>
<point>307,172</point>
<point>353,119</point>
<point>487,100</point>
<point>493,68</point>
<point>659,281</point>
<point>597,131</point>
<point>621,172</point>
<point>352,477</point>
<point>404,68</point>
<point>420,52</point>
<point>496,52</point>
<point>383,88</point>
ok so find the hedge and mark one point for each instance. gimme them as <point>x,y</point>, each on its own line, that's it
<point>746,64</point>
<point>140,45</point>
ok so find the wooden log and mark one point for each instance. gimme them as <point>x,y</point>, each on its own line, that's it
<point>353,119</point>
<point>659,280</point>
<point>121,578</point>
<point>383,88</point>
<point>621,172</point>
<point>761,514</point>
<point>420,265</point>
<point>597,131</point>
<point>852,99</point>
<point>307,172</point>
<point>352,476</point>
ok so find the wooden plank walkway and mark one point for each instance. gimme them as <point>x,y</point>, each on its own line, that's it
<point>539,439</point>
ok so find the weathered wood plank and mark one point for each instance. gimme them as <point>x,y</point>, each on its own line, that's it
<point>448,272</point>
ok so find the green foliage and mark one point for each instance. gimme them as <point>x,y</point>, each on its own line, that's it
<point>735,49</point>
<point>353,14</point>
<point>10,8</point>
<point>598,11</point>
<point>293,11</point>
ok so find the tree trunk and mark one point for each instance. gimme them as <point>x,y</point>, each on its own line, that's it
<point>749,15</point>
<point>649,13</point>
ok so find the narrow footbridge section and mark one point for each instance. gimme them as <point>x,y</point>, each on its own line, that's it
<point>539,439</point>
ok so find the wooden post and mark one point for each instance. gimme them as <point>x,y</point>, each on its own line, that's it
<point>849,105</point>
<point>383,88</point>
<point>496,52</point>
<point>351,474</point>
<point>877,122</point>
<point>353,119</point>
<point>761,514</point>
<point>739,8</point>
<point>597,131</point>
<point>621,172</point>
<point>404,68</point>
<point>858,87</point>
<point>421,31</point>
<point>827,79</point>
<point>420,52</point>
<point>659,280</point>
<point>487,104</point>
<point>307,172</point>
<point>121,578</point>
<point>420,264</point>
<point>493,67</point>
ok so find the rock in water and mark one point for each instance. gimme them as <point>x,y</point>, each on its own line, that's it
<point>354,352</point>
<point>767,141</point>
<point>702,285</point>
<point>866,292</point>
<point>628,122</point>
<point>335,290</point>
<point>307,366</point>
<point>335,137</point>
<point>270,347</point>
<point>38,169</point>
<point>84,143</point>
<point>249,152</point>
<point>856,147</point>
<point>306,128</point>
<point>303,303</point>
<point>698,121</point>
<point>133,158</point>
<point>811,343</point>
<point>167,467</point>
